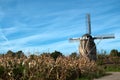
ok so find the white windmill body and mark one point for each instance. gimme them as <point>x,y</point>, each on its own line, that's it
<point>87,47</point>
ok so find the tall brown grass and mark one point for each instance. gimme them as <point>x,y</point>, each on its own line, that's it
<point>44,67</point>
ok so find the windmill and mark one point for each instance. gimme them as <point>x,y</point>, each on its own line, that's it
<point>87,47</point>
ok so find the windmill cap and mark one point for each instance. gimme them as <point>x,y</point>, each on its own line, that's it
<point>87,36</point>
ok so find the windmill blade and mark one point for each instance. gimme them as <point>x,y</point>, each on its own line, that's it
<point>88,24</point>
<point>74,39</point>
<point>110,36</point>
<point>77,39</point>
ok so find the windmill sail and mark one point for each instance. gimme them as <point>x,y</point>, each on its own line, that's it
<point>88,24</point>
<point>104,37</point>
<point>75,39</point>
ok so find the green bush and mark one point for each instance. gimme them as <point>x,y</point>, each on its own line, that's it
<point>113,67</point>
<point>18,71</point>
<point>2,70</point>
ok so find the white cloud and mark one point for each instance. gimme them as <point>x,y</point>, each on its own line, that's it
<point>9,31</point>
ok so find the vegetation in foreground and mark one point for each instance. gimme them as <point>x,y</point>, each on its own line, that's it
<point>46,67</point>
<point>110,62</point>
<point>55,66</point>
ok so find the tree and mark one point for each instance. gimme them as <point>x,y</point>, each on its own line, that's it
<point>10,54</point>
<point>56,54</point>
<point>20,54</point>
<point>114,53</point>
<point>119,54</point>
<point>74,55</point>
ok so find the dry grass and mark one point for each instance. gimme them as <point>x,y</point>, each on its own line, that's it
<point>46,68</point>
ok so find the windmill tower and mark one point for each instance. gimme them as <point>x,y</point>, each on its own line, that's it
<point>87,47</point>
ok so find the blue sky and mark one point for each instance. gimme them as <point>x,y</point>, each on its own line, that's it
<point>47,25</point>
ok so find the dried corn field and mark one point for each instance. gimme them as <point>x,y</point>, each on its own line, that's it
<point>44,67</point>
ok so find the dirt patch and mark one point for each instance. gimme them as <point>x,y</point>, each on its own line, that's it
<point>111,76</point>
